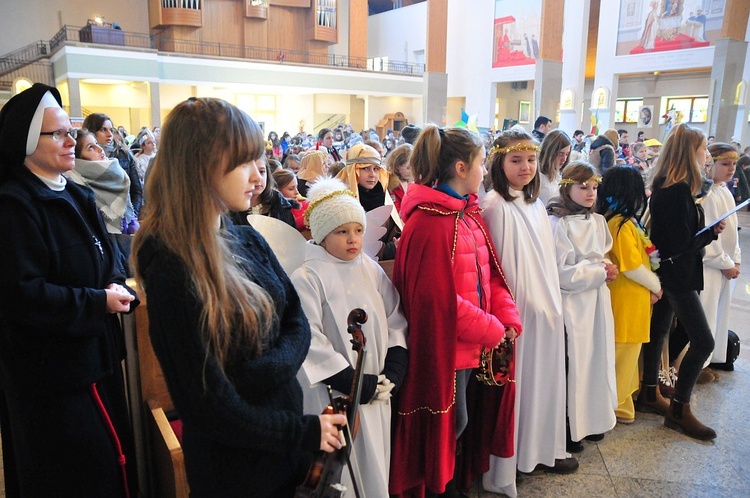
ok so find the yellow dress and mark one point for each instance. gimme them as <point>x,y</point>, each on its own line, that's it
<point>631,307</point>
<point>631,302</point>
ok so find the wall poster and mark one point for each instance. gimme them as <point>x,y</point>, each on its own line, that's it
<point>516,32</point>
<point>662,25</point>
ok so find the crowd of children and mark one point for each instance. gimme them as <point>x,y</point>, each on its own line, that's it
<point>524,289</point>
<point>554,275</point>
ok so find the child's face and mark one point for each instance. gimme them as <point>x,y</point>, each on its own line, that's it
<point>519,166</point>
<point>91,150</point>
<point>293,166</point>
<point>148,146</point>
<point>584,195</point>
<point>724,170</point>
<point>260,186</point>
<point>562,156</point>
<point>476,173</point>
<point>369,176</point>
<point>239,186</point>
<point>328,140</point>
<point>345,241</point>
<point>642,153</point>
<point>290,189</point>
<point>404,172</point>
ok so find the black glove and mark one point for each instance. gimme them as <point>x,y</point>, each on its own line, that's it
<point>342,382</point>
<point>396,362</point>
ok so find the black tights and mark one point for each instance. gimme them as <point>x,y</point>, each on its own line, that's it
<point>689,311</point>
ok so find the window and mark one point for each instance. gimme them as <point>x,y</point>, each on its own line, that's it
<point>626,110</point>
<point>693,109</point>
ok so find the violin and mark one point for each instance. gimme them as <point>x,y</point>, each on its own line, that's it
<point>324,475</point>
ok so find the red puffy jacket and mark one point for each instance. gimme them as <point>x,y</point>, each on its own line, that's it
<point>477,323</point>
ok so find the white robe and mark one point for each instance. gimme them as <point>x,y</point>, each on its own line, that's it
<point>523,238</point>
<point>329,289</point>
<point>581,244</point>
<point>548,189</point>
<point>721,254</point>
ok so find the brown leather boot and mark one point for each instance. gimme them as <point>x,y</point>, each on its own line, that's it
<point>679,417</point>
<point>650,400</point>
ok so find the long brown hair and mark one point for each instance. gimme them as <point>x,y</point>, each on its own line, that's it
<point>202,140</point>
<point>437,150</point>
<point>553,143</point>
<point>500,182</point>
<point>679,160</point>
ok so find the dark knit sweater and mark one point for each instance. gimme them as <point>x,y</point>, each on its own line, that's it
<point>243,434</point>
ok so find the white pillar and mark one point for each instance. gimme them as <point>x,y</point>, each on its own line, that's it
<point>575,41</point>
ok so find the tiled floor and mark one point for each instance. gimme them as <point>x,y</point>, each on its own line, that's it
<point>646,459</point>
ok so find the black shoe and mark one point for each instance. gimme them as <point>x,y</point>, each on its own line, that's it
<point>574,446</point>
<point>562,466</point>
<point>594,437</point>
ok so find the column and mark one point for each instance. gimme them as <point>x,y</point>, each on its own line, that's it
<point>435,89</point>
<point>726,74</point>
<point>547,87</point>
<point>153,90</point>
<point>548,70</point>
<point>575,42</point>
<point>74,97</point>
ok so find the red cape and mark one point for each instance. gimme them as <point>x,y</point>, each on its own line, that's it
<point>424,445</point>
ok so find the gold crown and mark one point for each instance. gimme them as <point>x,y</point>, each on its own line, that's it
<point>570,181</point>
<point>513,148</point>
<point>727,155</point>
<point>320,199</point>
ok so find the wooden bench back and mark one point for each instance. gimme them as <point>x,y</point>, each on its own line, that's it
<point>153,384</point>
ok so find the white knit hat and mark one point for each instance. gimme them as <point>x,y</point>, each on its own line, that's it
<point>331,205</point>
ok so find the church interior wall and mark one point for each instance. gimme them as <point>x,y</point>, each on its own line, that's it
<point>398,34</point>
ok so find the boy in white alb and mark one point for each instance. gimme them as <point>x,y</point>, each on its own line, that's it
<point>334,279</point>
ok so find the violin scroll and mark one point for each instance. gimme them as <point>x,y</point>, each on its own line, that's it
<point>356,318</point>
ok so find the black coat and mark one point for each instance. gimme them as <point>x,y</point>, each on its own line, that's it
<point>57,334</point>
<point>57,341</point>
<point>675,219</point>
<point>244,432</point>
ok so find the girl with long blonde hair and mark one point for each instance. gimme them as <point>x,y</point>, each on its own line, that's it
<point>676,219</point>
<point>225,322</point>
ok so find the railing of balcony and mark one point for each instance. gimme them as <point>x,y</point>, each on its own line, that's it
<point>23,56</point>
<point>106,36</point>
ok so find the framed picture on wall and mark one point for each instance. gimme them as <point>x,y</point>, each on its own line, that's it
<point>645,116</point>
<point>524,112</point>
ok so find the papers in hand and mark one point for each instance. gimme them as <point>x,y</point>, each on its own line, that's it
<point>724,216</point>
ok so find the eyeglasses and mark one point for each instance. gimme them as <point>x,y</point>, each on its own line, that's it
<point>59,135</point>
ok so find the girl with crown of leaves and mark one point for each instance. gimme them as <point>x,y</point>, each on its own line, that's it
<point>582,242</point>
<point>521,231</point>
<point>621,198</point>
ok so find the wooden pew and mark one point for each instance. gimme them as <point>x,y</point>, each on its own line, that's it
<point>163,453</point>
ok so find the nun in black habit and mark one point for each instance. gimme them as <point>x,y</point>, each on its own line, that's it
<point>61,344</point>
